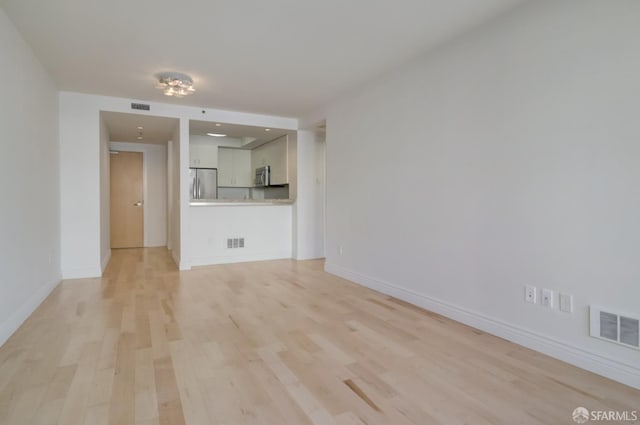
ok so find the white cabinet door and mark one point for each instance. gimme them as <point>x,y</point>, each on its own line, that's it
<point>234,168</point>
<point>203,155</point>
<point>242,175</point>
<point>279,163</point>
<point>225,167</point>
<point>194,155</point>
<point>274,154</point>
<point>258,157</point>
<point>208,156</point>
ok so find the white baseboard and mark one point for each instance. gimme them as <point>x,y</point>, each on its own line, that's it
<point>105,260</point>
<point>612,369</point>
<point>176,260</point>
<point>155,244</point>
<point>19,316</point>
<point>228,259</point>
<point>81,273</point>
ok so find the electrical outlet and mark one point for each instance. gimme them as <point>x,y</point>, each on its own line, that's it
<point>566,303</point>
<point>530,294</point>
<point>547,298</point>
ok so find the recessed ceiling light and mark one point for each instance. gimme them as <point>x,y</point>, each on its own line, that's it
<point>218,124</point>
<point>216,135</point>
<point>139,137</point>
<point>267,129</point>
<point>140,127</point>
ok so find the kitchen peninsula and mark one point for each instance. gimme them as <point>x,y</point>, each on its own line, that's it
<point>250,217</point>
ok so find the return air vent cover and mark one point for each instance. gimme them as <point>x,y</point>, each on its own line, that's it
<point>141,106</point>
<point>235,243</point>
<point>619,328</point>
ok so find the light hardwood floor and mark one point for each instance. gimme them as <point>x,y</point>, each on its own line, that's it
<point>279,343</point>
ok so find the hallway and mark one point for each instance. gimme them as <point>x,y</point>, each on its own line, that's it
<point>278,342</point>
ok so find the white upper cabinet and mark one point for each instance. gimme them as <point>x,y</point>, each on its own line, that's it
<point>242,173</point>
<point>273,154</point>
<point>202,155</point>
<point>234,168</point>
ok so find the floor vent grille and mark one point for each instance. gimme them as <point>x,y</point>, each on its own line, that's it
<point>619,328</point>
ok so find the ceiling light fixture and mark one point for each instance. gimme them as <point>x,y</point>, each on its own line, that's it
<point>175,84</point>
<point>218,124</point>
<point>267,129</point>
<point>140,127</point>
<point>216,135</point>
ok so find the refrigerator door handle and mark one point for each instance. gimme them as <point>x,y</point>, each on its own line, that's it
<point>199,190</point>
<point>193,188</point>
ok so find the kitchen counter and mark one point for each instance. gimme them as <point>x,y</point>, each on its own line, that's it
<point>239,202</point>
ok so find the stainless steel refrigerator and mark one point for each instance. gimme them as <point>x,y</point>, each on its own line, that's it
<point>203,183</point>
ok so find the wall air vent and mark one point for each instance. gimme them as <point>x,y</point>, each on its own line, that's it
<point>235,243</point>
<point>619,328</point>
<point>141,106</point>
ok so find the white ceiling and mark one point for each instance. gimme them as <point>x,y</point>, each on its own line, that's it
<point>281,57</point>
<point>258,134</point>
<point>124,127</point>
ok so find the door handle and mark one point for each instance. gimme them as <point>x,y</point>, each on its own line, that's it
<point>138,204</point>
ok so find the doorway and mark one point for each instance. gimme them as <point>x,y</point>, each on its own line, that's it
<point>127,204</point>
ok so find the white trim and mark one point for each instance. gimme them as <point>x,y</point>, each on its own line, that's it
<point>309,257</point>
<point>176,259</point>
<point>618,371</point>
<point>82,272</point>
<point>18,318</point>
<point>228,259</point>
<point>105,260</point>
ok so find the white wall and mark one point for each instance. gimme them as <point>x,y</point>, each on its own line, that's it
<point>182,144</point>
<point>309,206</point>
<point>506,157</point>
<point>29,182</point>
<point>266,229</point>
<point>154,189</point>
<point>80,170</point>
<point>105,203</point>
<point>80,187</point>
<point>319,196</point>
<point>173,213</point>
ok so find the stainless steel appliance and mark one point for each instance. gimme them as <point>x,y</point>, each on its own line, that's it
<point>203,183</point>
<point>263,176</point>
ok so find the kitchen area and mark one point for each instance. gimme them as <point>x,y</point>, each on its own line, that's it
<point>236,164</point>
<point>242,190</point>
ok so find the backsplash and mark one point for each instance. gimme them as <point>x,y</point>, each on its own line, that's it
<point>276,192</point>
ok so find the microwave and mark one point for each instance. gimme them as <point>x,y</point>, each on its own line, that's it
<point>262,176</point>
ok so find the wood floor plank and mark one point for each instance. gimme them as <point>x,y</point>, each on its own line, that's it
<point>270,343</point>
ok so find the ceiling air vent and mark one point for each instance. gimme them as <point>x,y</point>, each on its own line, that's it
<point>141,106</point>
<point>619,328</point>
